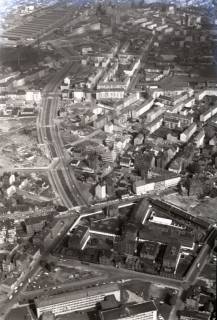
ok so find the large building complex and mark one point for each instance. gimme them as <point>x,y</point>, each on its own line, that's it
<point>108,182</point>
<point>39,24</point>
<point>78,300</point>
<point>141,311</point>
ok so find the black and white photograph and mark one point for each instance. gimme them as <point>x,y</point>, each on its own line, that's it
<point>108,159</point>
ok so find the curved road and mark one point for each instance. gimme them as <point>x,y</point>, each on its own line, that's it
<point>63,181</point>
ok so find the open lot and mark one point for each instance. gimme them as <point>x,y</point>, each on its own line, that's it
<point>19,147</point>
<point>61,275</point>
<point>205,208</point>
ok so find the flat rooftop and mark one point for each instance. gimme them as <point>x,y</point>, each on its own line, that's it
<point>130,310</point>
<point>76,295</point>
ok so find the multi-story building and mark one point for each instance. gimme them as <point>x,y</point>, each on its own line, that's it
<point>208,114</point>
<point>33,95</point>
<point>100,191</point>
<point>115,94</point>
<point>194,315</point>
<point>132,67</point>
<point>78,300</point>
<point>141,311</point>
<point>34,224</point>
<point>155,124</point>
<point>114,85</point>
<point>154,113</point>
<point>188,103</point>
<point>94,78</point>
<point>186,134</point>
<point>199,139</point>
<point>158,183</point>
<point>173,120</point>
<point>142,108</point>
<point>207,92</point>
<point>7,231</point>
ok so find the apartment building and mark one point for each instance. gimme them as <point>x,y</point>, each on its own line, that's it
<point>115,94</point>
<point>159,183</point>
<point>186,134</point>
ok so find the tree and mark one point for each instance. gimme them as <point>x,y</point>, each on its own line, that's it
<point>193,168</point>
<point>209,132</point>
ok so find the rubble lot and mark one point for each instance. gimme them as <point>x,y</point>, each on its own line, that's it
<point>20,149</point>
<point>9,126</point>
<point>60,275</point>
<point>37,184</point>
<point>148,290</point>
<point>205,208</point>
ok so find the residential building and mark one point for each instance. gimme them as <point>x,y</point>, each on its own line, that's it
<point>34,224</point>
<point>125,162</point>
<point>79,94</point>
<point>115,94</point>
<point>206,92</point>
<point>142,108</point>
<point>132,67</point>
<point>173,120</point>
<point>199,139</point>
<point>100,191</point>
<point>75,301</point>
<point>193,315</point>
<point>33,95</point>
<point>7,231</point>
<point>27,112</point>
<point>155,184</point>
<point>187,134</point>
<point>155,124</point>
<point>154,113</point>
<point>208,114</point>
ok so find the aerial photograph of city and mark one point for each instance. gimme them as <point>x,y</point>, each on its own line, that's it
<point>108,159</point>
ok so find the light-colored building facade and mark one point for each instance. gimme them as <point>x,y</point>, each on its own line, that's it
<point>79,300</point>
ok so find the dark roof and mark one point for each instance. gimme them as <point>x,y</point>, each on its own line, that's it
<point>18,314</point>
<point>109,303</point>
<point>129,310</point>
<point>28,110</point>
<point>194,315</point>
<point>34,220</point>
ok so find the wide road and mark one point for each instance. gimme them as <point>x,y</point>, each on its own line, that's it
<point>107,274</point>
<point>63,181</point>
<point>202,258</point>
<point>116,274</point>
